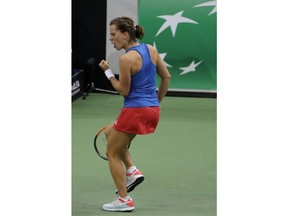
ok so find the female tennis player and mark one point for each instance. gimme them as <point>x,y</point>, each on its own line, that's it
<point>140,114</point>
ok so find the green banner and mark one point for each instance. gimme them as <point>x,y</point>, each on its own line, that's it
<point>184,33</point>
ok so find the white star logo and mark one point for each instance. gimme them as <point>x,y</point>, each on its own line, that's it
<point>172,21</point>
<point>162,56</point>
<point>190,68</point>
<point>210,3</point>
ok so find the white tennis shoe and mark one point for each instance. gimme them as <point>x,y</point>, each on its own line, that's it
<point>133,180</point>
<point>120,204</point>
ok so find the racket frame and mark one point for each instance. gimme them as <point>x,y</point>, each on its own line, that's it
<point>95,144</point>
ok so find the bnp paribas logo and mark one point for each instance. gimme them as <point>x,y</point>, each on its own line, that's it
<point>172,21</point>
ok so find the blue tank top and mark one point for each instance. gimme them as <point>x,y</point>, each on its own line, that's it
<point>143,83</point>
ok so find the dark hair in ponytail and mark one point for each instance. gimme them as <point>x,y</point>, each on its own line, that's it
<point>139,33</point>
<point>127,24</point>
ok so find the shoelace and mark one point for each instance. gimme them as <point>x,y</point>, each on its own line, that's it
<point>116,201</point>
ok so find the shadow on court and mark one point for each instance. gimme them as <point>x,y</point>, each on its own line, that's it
<point>178,160</point>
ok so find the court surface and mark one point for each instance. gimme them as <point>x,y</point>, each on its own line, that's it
<point>178,160</point>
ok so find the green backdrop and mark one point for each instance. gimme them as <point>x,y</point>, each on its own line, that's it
<point>184,33</point>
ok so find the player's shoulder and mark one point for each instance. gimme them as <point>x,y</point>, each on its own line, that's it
<point>129,57</point>
<point>151,48</point>
<point>153,53</point>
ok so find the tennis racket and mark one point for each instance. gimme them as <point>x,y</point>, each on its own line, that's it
<point>100,143</point>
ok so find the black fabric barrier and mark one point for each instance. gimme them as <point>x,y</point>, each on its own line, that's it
<point>77,84</point>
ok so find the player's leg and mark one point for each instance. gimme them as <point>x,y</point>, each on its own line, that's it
<point>108,130</point>
<point>133,176</point>
<point>125,156</point>
<point>117,145</point>
<point>127,159</point>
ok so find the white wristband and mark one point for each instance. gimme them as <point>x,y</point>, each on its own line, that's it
<point>109,73</point>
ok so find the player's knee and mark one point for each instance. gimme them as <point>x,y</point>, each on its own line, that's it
<point>111,151</point>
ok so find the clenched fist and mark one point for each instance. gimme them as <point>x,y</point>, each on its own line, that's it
<point>104,65</point>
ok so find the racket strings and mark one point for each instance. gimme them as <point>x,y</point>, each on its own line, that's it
<point>101,144</point>
<point>104,140</point>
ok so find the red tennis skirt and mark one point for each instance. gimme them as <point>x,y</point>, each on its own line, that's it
<point>138,120</point>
